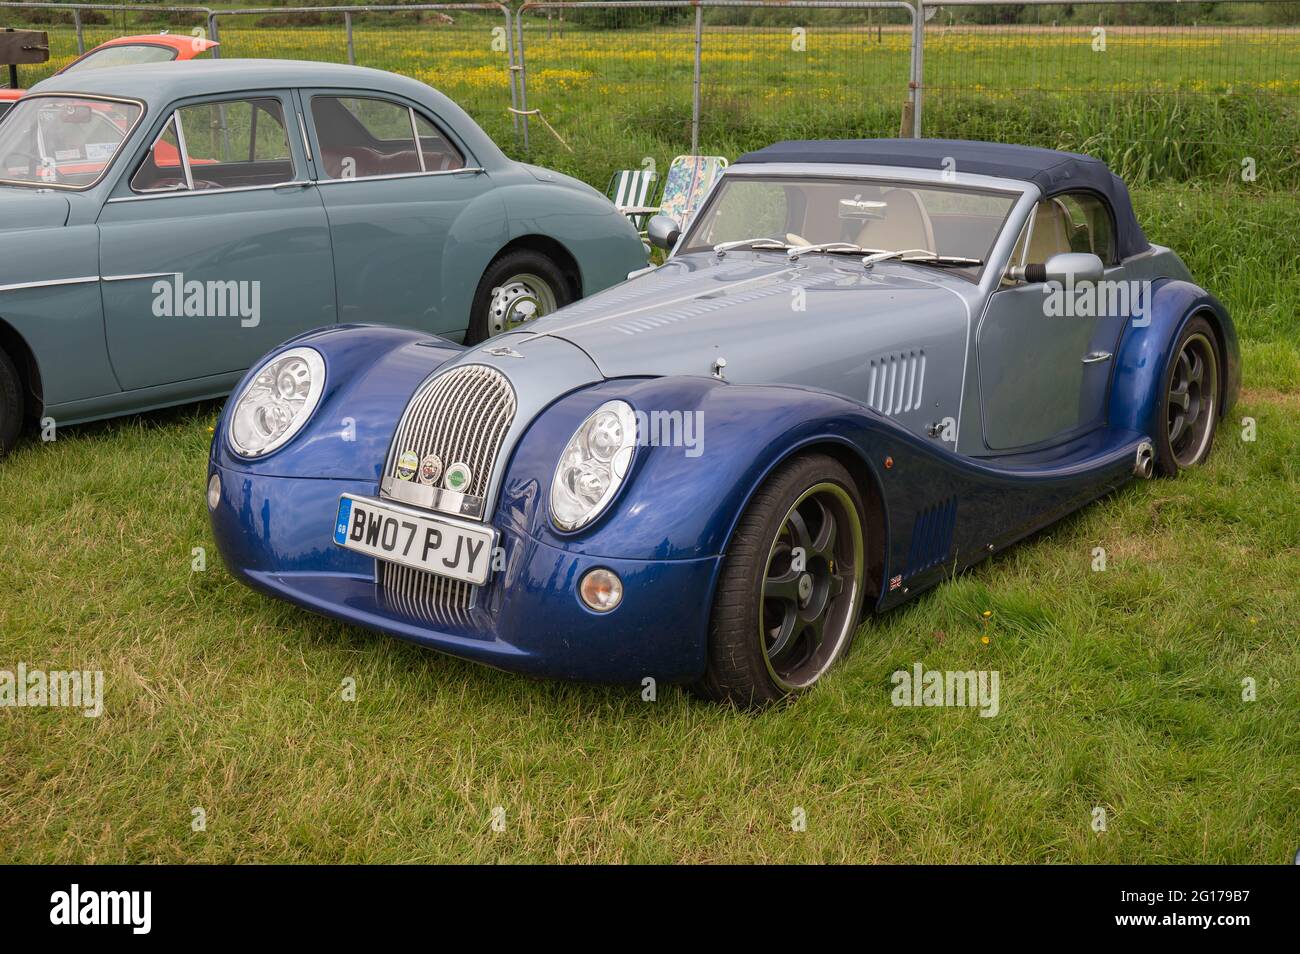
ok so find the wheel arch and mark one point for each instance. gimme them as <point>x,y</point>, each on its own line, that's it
<point>29,371</point>
<point>875,525</point>
<point>553,249</point>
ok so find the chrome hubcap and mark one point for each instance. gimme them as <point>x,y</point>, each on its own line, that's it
<point>809,602</point>
<point>519,300</point>
<point>1192,400</point>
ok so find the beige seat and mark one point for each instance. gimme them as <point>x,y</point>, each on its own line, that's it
<point>906,224</point>
<point>1051,232</point>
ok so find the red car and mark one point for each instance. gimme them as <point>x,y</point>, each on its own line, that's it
<point>124,51</point>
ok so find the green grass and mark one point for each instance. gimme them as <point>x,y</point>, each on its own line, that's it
<point>1120,689</point>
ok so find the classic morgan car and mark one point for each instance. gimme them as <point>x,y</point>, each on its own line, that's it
<point>164,227</point>
<point>125,51</point>
<point>865,366</point>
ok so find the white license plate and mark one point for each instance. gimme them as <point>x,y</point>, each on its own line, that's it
<point>438,545</point>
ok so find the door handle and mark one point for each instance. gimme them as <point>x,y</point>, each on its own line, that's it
<point>1092,357</point>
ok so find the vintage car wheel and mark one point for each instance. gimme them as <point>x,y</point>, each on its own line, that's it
<point>1191,400</point>
<point>11,404</point>
<point>779,623</point>
<point>515,289</point>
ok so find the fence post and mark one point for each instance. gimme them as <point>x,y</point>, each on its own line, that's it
<point>695,95</point>
<point>214,35</point>
<point>523,70</point>
<point>347,25</point>
<point>511,72</point>
<point>81,37</point>
<point>918,69</point>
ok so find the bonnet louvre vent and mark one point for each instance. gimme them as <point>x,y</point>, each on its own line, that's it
<point>896,382</point>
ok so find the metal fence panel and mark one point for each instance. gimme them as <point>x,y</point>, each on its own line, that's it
<point>804,69</point>
<point>601,72</point>
<point>1161,89</point>
<point>709,74</point>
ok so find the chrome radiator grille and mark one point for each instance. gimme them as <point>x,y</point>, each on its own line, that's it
<point>461,416</point>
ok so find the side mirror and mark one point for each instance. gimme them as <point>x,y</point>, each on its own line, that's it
<point>1073,268</point>
<point>663,231</point>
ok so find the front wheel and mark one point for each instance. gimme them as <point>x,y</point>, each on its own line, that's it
<point>791,586</point>
<point>517,288</point>
<point>1190,406</point>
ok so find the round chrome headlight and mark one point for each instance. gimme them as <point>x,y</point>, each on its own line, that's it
<point>593,465</point>
<point>277,402</point>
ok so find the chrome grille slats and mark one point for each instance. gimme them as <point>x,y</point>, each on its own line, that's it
<point>462,415</point>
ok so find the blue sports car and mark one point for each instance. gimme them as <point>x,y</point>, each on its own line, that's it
<point>864,366</point>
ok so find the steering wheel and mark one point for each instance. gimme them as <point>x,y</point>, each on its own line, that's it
<point>792,239</point>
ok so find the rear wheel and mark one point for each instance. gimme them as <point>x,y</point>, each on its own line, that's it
<point>791,586</point>
<point>11,404</point>
<point>517,288</point>
<point>1190,409</point>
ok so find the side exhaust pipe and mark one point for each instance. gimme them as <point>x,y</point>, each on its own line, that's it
<point>1144,462</point>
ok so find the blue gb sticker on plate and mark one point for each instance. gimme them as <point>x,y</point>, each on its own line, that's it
<point>341,525</point>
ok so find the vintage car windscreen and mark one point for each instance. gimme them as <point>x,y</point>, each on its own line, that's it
<point>65,142</point>
<point>872,213</point>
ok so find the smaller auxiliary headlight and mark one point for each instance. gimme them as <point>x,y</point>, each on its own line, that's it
<point>601,590</point>
<point>214,490</point>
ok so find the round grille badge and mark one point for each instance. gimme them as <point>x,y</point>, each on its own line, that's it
<point>406,465</point>
<point>430,469</point>
<point>458,477</point>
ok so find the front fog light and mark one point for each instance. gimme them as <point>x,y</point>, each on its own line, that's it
<point>601,590</point>
<point>214,491</point>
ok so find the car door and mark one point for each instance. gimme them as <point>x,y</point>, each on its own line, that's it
<point>214,248</point>
<point>1045,351</point>
<point>394,208</point>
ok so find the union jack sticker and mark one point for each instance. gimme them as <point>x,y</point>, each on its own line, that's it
<point>895,582</point>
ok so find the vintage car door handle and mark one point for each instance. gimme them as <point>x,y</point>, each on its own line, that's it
<point>1092,357</point>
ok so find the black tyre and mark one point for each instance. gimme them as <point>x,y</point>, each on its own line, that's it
<point>517,287</point>
<point>780,622</point>
<point>11,404</point>
<point>1189,409</point>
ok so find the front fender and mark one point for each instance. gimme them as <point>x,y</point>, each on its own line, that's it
<point>601,240</point>
<point>371,371</point>
<point>1146,350</point>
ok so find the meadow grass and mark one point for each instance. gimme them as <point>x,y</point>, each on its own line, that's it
<point>1121,690</point>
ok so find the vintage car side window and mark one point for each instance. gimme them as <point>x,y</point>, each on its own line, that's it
<point>361,137</point>
<point>439,155</point>
<point>227,145</point>
<point>1089,225</point>
<point>162,170</point>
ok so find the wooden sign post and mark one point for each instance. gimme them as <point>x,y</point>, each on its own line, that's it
<point>22,47</point>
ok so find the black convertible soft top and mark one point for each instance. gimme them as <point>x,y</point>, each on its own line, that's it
<point>1052,171</point>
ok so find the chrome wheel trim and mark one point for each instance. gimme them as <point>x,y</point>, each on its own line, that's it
<point>806,617</point>
<point>518,300</point>
<point>1193,400</point>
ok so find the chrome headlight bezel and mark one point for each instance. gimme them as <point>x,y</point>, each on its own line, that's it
<point>570,513</point>
<point>258,387</point>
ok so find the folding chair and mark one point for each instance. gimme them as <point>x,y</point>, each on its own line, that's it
<point>633,189</point>
<point>689,180</point>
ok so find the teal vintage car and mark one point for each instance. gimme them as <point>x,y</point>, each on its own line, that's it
<point>161,227</point>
